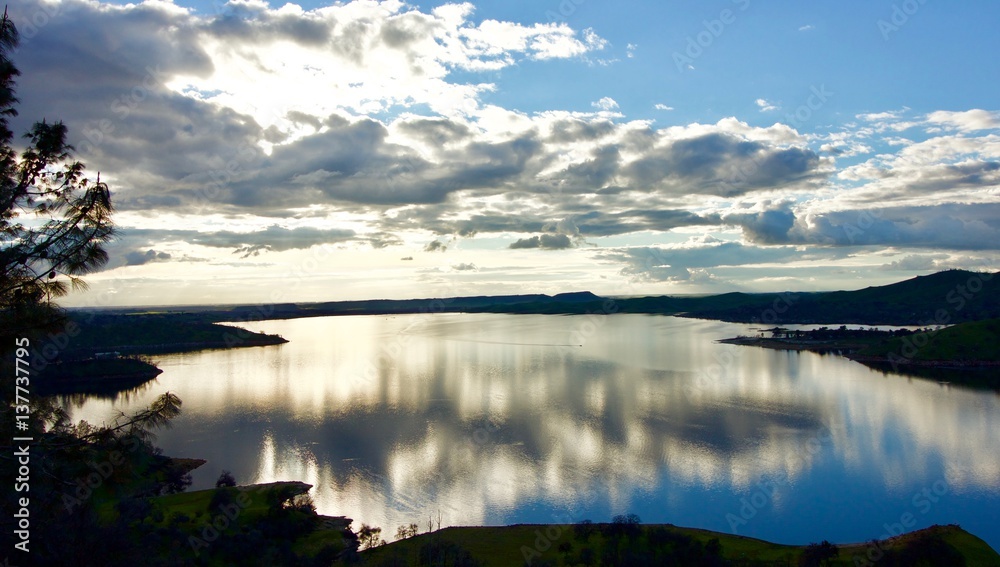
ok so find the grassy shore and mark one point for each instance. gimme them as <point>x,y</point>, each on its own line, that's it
<point>967,353</point>
<point>975,343</point>
<point>564,545</point>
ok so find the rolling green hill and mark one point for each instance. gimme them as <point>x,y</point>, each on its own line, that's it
<point>943,298</point>
<point>563,545</point>
<point>976,341</point>
<point>949,297</point>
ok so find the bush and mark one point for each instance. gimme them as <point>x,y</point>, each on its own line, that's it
<point>446,554</point>
<point>225,479</point>
<point>370,536</point>
<point>221,497</point>
<point>583,530</point>
<point>817,554</point>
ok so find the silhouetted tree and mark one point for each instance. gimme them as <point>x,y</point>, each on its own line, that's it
<point>70,215</point>
<point>226,478</point>
<point>817,554</point>
<point>370,536</point>
<point>409,531</point>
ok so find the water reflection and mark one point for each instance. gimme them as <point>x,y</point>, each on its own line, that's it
<point>114,393</point>
<point>490,419</point>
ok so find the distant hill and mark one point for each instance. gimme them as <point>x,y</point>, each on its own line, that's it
<point>659,544</point>
<point>948,297</point>
<point>971,342</point>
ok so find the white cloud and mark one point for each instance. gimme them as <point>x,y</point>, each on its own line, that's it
<point>765,106</point>
<point>807,27</point>
<point>606,103</point>
<point>967,121</point>
<point>367,135</point>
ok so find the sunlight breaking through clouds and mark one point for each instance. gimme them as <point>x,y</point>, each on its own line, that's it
<point>379,125</point>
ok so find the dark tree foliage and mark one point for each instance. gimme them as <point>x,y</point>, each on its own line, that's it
<point>54,221</point>
<point>583,530</point>
<point>439,553</point>
<point>817,554</point>
<point>226,478</point>
<point>625,542</point>
<point>925,550</point>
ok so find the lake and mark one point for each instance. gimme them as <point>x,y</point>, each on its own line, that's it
<point>487,419</point>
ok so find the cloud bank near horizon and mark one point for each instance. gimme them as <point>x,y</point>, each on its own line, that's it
<point>370,125</point>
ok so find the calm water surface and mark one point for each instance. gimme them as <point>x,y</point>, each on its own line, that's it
<point>499,419</point>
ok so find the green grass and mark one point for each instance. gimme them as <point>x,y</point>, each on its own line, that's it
<point>977,341</point>
<point>190,512</point>
<point>197,502</point>
<point>157,333</point>
<point>505,546</point>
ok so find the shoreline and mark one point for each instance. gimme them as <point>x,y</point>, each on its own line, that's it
<point>849,350</point>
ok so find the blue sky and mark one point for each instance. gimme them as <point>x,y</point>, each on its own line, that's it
<point>382,149</point>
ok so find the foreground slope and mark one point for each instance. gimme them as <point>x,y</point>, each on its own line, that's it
<point>975,342</point>
<point>611,544</point>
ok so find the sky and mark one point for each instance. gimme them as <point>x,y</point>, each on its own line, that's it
<point>268,153</point>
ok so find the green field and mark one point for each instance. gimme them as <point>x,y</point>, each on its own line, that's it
<point>151,333</point>
<point>561,545</point>
<point>214,531</point>
<point>977,341</point>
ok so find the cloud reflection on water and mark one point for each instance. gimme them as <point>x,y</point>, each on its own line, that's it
<point>478,418</point>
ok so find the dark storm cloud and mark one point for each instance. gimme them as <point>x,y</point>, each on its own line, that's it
<point>303,118</point>
<point>488,165</point>
<point>595,172</point>
<point>352,164</point>
<point>660,264</point>
<point>571,130</point>
<point>435,246</point>
<point>435,131</point>
<point>242,24</point>
<point>720,164</point>
<point>597,223</point>
<point>273,238</point>
<point>406,29</point>
<point>943,177</point>
<point>138,258</point>
<point>381,239</point>
<point>765,227</point>
<point>90,57</point>
<point>544,241</point>
<point>953,226</point>
<point>103,70</point>
<point>592,223</point>
<point>103,74</point>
